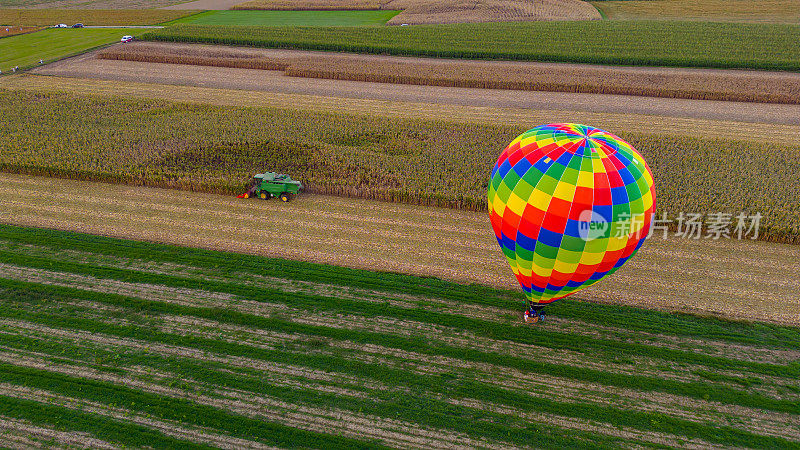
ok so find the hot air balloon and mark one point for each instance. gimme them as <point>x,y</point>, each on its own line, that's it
<point>569,204</point>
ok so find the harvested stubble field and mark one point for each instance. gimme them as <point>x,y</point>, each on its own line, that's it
<point>520,117</point>
<point>741,279</point>
<point>704,84</point>
<point>119,343</point>
<point>87,66</point>
<point>107,17</point>
<point>213,149</point>
<point>766,11</point>
<point>416,12</point>
<point>637,43</point>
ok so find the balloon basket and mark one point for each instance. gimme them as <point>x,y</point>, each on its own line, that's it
<point>532,316</point>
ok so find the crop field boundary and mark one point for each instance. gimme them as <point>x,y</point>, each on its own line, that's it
<point>736,86</point>
<point>332,154</point>
<point>636,43</point>
<point>415,12</point>
<point>87,66</point>
<point>700,276</point>
<point>756,132</point>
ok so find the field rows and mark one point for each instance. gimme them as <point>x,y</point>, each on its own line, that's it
<point>427,162</point>
<point>672,83</point>
<point>136,343</point>
<point>765,11</point>
<point>703,128</point>
<point>707,277</point>
<point>536,103</point>
<point>635,43</point>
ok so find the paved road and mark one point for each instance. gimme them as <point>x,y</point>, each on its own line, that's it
<point>87,66</point>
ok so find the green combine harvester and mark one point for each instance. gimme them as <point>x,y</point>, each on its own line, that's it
<point>272,184</point>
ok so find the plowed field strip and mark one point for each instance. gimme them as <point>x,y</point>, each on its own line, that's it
<point>701,84</point>
<point>86,66</point>
<point>743,279</point>
<point>783,134</point>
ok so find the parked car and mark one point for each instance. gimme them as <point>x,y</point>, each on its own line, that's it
<point>126,38</point>
<point>62,25</point>
<point>78,25</point>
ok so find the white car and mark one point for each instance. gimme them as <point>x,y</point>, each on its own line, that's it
<point>62,25</point>
<point>126,38</point>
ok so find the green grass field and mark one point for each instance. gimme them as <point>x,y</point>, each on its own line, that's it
<point>51,44</point>
<point>140,344</point>
<point>655,43</point>
<point>290,18</point>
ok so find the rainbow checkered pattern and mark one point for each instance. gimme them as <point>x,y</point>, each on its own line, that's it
<point>569,204</point>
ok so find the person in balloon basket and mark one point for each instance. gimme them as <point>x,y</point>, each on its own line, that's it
<point>534,313</point>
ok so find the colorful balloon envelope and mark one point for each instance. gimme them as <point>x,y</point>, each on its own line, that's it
<point>569,204</point>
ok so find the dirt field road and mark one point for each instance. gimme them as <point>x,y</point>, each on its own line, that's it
<point>740,279</point>
<point>87,66</point>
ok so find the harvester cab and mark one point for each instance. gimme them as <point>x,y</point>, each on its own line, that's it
<point>271,184</point>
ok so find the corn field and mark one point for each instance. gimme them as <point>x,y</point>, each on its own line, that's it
<point>656,82</point>
<point>216,149</point>
<point>649,43</point>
